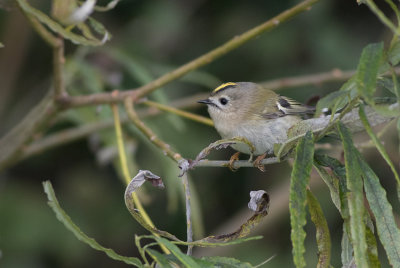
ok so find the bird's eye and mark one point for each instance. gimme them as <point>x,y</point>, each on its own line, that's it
<point>223,101</point>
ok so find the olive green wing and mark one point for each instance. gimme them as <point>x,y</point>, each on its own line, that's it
<point>286,106</point>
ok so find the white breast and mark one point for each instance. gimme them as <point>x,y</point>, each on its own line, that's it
<point>262,137</point>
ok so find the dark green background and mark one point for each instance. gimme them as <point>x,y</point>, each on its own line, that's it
<point>160,35</point>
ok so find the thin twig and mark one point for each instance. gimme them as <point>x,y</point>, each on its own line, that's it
<point>311,79</point>
<point>191,116</point>
<point>48,37</point>
<point>166,148</point>
<point>189,228</point>
<point>125,170</point>
<point>72,134</point>
<point>58,67</point>
<point>336,75</point>
<point>232,44</point>
<point>12,143</point>
<point>236,164</point>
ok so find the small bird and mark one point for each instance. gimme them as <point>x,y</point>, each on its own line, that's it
<point>245,109</point>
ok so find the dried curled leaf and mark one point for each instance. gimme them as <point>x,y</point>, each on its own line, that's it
<point>259,203</point>
<point>136,182</point>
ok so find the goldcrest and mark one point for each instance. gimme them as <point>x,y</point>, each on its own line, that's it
<point>245,109</point>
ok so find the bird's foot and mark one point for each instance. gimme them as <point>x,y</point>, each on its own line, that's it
<point>234,158</point>
<point>257,162</point>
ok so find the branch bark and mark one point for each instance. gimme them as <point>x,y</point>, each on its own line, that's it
<point>205,59</point>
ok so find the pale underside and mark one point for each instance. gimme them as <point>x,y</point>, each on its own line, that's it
<point>263,137</point>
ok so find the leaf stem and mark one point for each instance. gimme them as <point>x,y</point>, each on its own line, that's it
<point>189,228</point>
<point>124,167</point>
<point>166,148</point>
<point>191,116</point>
<point>377,143</point>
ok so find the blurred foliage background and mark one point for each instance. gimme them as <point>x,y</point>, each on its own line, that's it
<point>149,39</point>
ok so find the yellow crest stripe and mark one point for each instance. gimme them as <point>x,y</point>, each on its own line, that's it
<point>224,86</point>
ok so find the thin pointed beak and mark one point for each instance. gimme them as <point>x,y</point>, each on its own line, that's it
<point>206,101</point>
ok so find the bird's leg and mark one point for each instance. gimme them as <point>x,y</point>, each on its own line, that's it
<point>257,162</point>
<point>234,158</point>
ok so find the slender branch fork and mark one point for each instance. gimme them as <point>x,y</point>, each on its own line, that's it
<point>12,143</point>
<point>205,59</point>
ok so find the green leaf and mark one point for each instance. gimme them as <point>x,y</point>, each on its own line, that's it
<point>377,143</point>
<point>339,171</point>
<point>142,75</point>
<point>347,250</point>
<point>322,231</point>
<point>161,260</point>
<point>34,13</point>
<point>387,83</point>
<point>298,196</point>
<point>367,70</point>
<point>355,198</point>
<point>394,54</point>
<point>186,260</point>
<point>338,98</point>
<point>332,182</point>
<point>372,248</point>
<point>388,231</point>
<point>1,45</point>
<point>66,220</point>
<point>225,262</point>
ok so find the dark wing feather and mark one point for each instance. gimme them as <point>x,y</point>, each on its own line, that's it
<point>291,107</point>
<point>286,106</point>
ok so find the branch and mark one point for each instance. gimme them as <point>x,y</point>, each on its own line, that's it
<point>207,58</point>
<point>11,144</point>
<point>191,116</point>
<point>72,134</point>
<point>189,228</point>
<point>312,79</point>
<point>236,164</point>
<point>165,148</point>
<point>58,67</point>
<point>336,75</point>
<point>125,172</point>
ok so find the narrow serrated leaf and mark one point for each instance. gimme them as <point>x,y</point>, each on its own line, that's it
<point>322,231</point>
<point>388,232</point>
<point>298,196</point>
<point>55,26</point>
<point>186,260</point>
<point>227,262</point>
<point>338,98</point>
<point>367,70</point>
<point>372,248</point>
<point>394,54</point>
<point>347,250</point>
<point>160,259</point>
<point>377,143</point>
<point>70,225</point>
<point>332,182</point>
<point>355,198</point>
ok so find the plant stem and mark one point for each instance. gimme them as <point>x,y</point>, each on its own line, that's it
<point>58,67</point>
<point>166,148</point>
<point>205,59</point>
<point>191,116</point>
<point>125,171</point>
<point>189,228</point>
